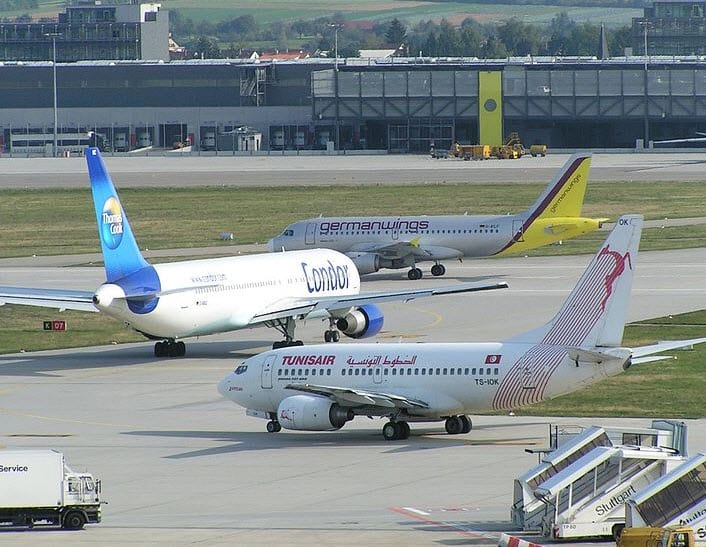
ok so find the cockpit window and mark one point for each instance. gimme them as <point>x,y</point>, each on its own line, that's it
<point>288,233</point>
<point>240,369</point>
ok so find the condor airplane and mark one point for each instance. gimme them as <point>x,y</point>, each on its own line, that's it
<point>320,388</point>
<point>171,301</point>
<point>402,242</point>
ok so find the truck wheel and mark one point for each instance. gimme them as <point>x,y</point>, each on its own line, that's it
<point>74,520</point>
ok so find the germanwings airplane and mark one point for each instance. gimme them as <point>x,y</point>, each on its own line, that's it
<point>402,242</point>
<point>171,301</point>
<point>320,388</point>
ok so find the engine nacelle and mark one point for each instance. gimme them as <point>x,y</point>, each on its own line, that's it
<point>362,322</point>
<point>312,413</point>
<point>365,262</point>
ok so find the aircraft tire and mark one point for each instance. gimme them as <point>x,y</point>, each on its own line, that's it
<point>273,427</point>
<point>414,274</point>
<point>404,430</point>
<point>181,349</point>
<point>466,423</point>
<point>335,336</point>
<point>390,431</point>
<point>159,349</point>
<point>453,425</point>
<point>327,336</point>
<point>438,270</point>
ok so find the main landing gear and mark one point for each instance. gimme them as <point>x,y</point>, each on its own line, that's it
<point>395,431</point>
<point>169,348</point>
<point>286,327</point>
<point>332,335</point>
<point>436,270</point>
<point>458,424</point>
<point>273,426</point>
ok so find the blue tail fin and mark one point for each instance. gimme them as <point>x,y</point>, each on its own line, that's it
<point>121,255</point>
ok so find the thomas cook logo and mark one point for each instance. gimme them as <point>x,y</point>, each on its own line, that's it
<point>112,223</point>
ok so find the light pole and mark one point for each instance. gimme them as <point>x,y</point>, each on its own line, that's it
<point>335,27</point>
<point>645,25</point>
<point>53,36</point>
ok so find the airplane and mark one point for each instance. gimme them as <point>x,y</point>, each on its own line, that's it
<point>321,388</point>
<point>398,242</point>
<point>686,140</point>
<point>167,302</point>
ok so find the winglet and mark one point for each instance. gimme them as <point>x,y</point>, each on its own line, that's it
<point>121,255</point>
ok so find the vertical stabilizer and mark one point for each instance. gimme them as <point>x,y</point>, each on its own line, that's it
<point>121,255</point>
<point>594,313</point>
<point>563,197</point>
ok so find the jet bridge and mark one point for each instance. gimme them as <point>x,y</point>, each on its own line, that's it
<point>678,497</point>
<point>587,498</point>
<point>567,446</point>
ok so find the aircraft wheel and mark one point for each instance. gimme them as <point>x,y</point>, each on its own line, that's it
<point>390,431</point>
<point>404,430</point>
<point>273,427</point>
<point>180,349</point>
<point>466,423</point>
<point>414,274</point>
<point>335,336</point>
<point>327,336</point>
<point>453,425</point>
<point>297,343</point>
<point>438,269</point>
<point>279,344</point>
<point>159,349</point>
<point>172,349</point>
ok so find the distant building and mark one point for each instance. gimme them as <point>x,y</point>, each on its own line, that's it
<point>671,27</point>
<point>91,30</point>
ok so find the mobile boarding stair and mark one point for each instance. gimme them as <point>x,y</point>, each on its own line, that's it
<point>535,499</point>
<point>677,498</point>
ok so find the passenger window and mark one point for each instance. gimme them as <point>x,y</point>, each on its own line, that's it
<point>495,372</point>
<point>394,371</point>
<point>343,372</point>
<point>445,372</point>
<point>424,371</point>
<point>465,371</point>
<point>385,372</point>
<point>357,372</point>
<point>438,371</point>
<point>416,372</point>
<point>451,371</point>
<point>480,372</point>
<point>328,372</point>
<point>487,371</point>
<point>473,371</point>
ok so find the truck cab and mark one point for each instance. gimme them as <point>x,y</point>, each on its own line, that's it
<point>671,536</point>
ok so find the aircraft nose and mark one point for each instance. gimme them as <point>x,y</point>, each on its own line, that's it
<point>270,246</point>
<point>223,386</point>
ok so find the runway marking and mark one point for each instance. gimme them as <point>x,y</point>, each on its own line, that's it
<point>420,516</point>
<point>55,419</point>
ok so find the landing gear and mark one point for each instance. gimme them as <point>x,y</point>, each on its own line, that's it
<point>438,269</point>
<point>395,431</point>
<point>287,344</point>
<point>332,336</point>
<point>286,327</point>
<point>169,348</point>
<point>458,424</point>
<point>414,274</point>
<point>273,426</point>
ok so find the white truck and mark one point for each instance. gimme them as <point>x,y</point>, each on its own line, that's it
<point>36,486</point>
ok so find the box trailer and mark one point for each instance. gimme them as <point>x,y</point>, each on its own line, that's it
<point>37,487</point>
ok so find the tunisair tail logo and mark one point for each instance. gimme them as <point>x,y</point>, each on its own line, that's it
<point>112,223</point>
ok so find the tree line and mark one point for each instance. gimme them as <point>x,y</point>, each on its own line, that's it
<point>562,37</point>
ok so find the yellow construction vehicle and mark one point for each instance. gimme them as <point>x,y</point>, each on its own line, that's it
<point>670,536</point>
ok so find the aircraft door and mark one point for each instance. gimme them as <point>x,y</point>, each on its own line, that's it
<point>267,372</point>
<point>529,378</point>
<point>310,235</point>
<point>377,375</point>
<point>518,231</point>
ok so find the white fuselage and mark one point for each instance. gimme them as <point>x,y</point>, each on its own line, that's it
<point>452,378</point>
<point>217,295</point>
<point>470,235</point>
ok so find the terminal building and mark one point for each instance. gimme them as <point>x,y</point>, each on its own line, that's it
<point>399,105</point>
<point>140,100</point>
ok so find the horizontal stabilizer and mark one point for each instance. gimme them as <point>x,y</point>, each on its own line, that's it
<point>644,351</point>
<point>598,356</point>
<point>48,298</point>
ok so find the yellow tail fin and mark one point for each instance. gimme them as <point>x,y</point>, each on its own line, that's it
<point>564,195</point>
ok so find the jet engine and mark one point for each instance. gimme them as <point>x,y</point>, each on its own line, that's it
<point>365,262</point>
<point>362,322</point>
<point>312,413</point>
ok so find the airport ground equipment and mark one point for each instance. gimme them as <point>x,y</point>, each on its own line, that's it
<point>671,536</point>
<point>676,499</point>
<point>568,443</point>
<point>587,498</point>
<point>36,486</point>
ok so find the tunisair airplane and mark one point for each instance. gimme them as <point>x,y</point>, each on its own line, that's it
<point>395,242</point>
<point>172,301</point>
<point>321,388</point>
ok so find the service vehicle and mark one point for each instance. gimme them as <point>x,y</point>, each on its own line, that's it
<point>37,487</point>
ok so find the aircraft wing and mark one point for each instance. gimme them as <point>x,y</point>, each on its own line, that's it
<point>680,141</point>
<point>302,307</point>
<point>348,397</point>
<point>402,249</point>
<point>643,354</point>
<point>48,298</point>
